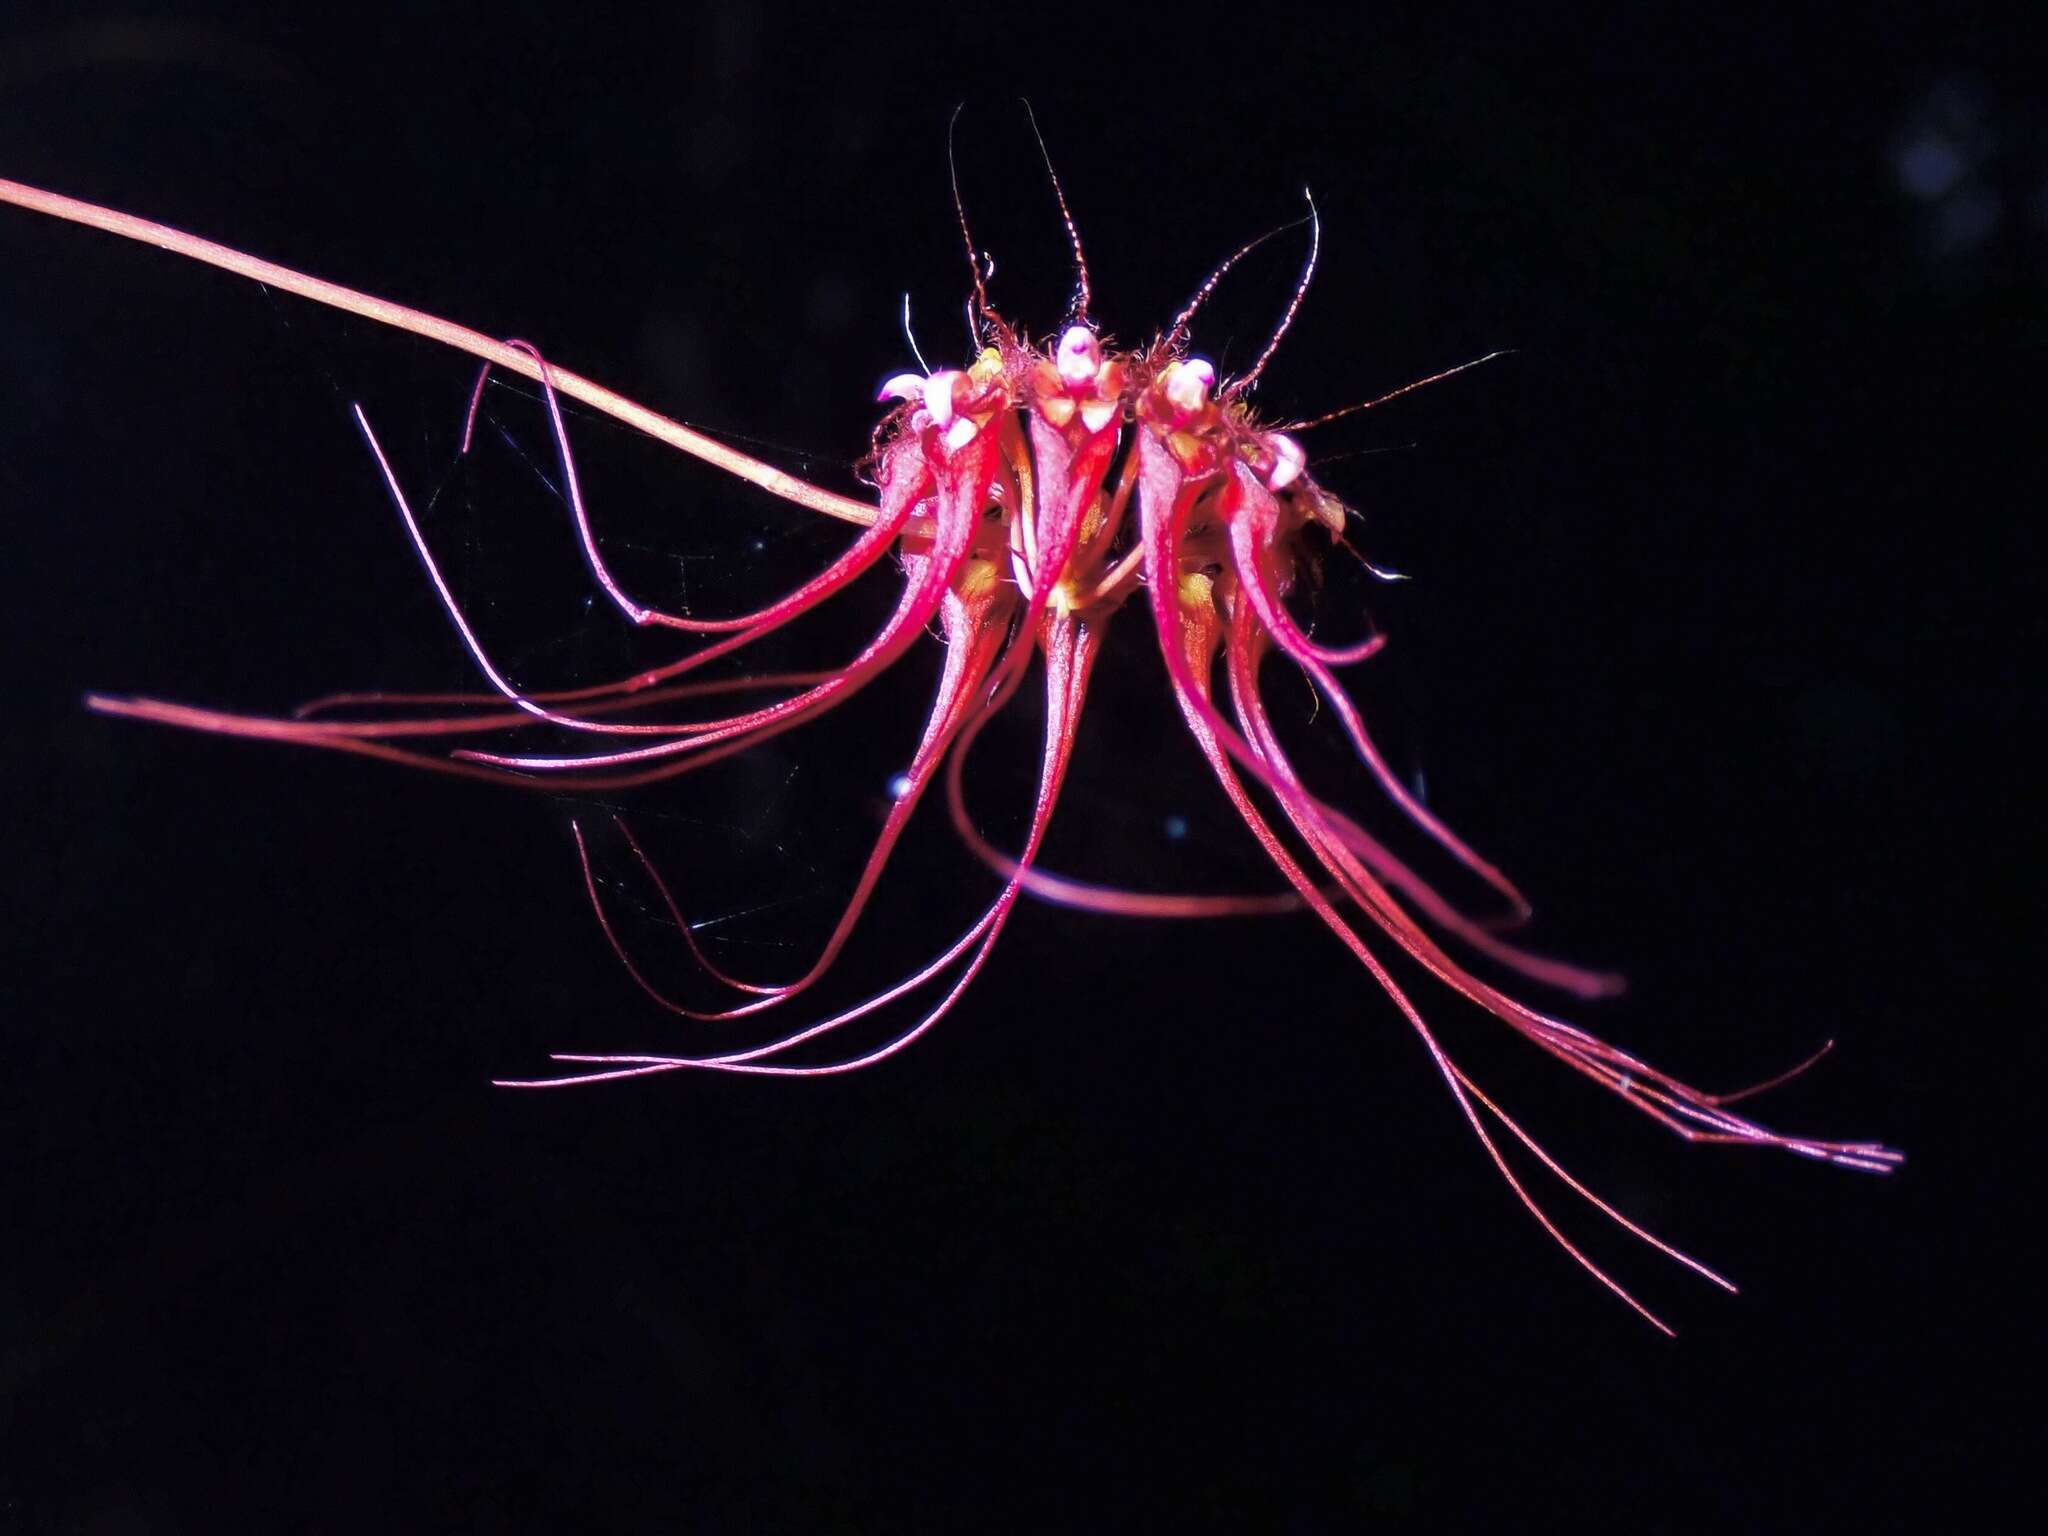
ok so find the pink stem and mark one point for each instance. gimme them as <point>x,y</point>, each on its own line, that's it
<point>447,333</point>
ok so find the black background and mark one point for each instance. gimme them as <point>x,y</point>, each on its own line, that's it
<point>1164,1224</point>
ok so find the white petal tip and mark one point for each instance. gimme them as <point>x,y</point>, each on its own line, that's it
<point>1288,461</point>
<point>938,394</point>
<point>1188,383</point>
<point>1079,357</point>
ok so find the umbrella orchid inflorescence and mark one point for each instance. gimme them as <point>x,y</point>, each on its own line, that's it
<point>1028,499</point>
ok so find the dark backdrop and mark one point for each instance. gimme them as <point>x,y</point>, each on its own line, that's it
<point>1165,1224</point>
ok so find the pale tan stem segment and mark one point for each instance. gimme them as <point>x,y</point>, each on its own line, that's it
<point>497,353</point>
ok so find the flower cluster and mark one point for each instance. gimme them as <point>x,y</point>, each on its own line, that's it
<point>1027,498</point>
